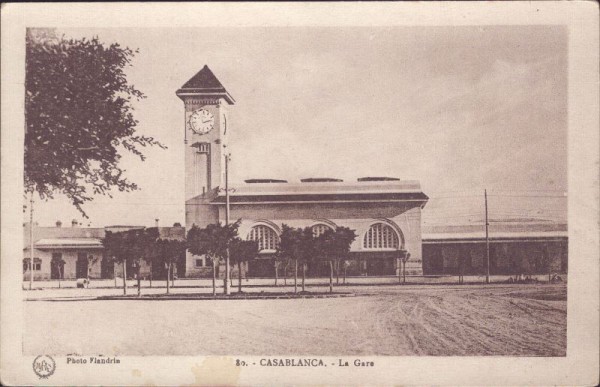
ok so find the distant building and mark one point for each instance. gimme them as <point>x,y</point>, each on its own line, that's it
<point>515,248</point>
<point>77,252</point>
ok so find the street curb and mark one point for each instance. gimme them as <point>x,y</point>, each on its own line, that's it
<point>164,297</point>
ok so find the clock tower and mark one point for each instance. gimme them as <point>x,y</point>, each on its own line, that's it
<point>205,125</point>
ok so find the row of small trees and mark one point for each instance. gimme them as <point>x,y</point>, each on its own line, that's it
<point>144,244</point>
<point>217,242</point>
<point>302,246</point>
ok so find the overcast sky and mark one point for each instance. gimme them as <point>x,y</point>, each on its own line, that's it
<point>457,108</point>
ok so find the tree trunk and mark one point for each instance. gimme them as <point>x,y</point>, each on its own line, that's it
<point>337,272</point>
<point>172,275</point>
<point>404,272</point>
<point>151,274</point>
<point>125,277</point>
<point>295,276</point>
<point>303,277</point>
<point>139,279</point>
<point>239,276</point>
<point>331,277</point>
<point>115,273</point>
<point>345,268</point>
<point>276,274</point>
<point>214,278</point>
<point>168,274</point>
<point>285,273</point>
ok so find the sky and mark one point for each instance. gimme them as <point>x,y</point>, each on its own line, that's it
<point>461,109</point>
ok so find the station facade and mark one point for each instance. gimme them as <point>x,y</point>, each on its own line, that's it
<point>384,212</point>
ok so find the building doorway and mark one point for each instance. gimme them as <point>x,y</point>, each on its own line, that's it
<point>81,266</point>
<point>57,266</point>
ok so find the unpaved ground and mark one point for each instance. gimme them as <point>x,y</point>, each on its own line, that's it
<point>522,320</point>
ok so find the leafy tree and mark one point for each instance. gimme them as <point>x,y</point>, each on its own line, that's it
<point>59,263</point>
<point>92,260</point>
<point>334,245</point>
<point>307,251</point>
<point>343,239</point>
<point>242,251</point>
<point>142,248</point>
<point>78,117</point>
<point>281,262</point>
<point>404,256</point>
<point>213,242</point>
<point>116,247</point>
<point>131,246</point>
<point>290,248</point>
<point>167,253</point>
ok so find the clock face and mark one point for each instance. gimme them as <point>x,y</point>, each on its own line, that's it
<point>201,121</point>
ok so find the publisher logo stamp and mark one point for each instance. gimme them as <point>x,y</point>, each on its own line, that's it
<point>44,366</point>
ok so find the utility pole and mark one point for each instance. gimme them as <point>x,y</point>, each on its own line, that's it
<point>31,241</point>
<point>227,157</point>
<point>487,240</point>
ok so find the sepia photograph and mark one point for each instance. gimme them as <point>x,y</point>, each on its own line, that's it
<point>309,196</point>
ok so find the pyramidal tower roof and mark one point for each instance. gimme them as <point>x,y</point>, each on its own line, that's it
<point>204,84</point>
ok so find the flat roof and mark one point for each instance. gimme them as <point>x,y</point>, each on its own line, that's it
<point>65,243</point>
<point>408,190</point>
<point>496,231</point>
<point>333,191</point>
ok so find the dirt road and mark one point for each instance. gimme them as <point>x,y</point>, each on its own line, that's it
<point>522,320</point>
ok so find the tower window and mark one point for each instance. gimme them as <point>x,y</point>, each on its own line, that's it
<point>203,147</point>
<point>381,236</point>
<point>267,238</point>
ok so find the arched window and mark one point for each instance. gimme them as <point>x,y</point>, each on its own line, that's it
<point>319,229</point>
<point>266,237</point>
<point>381,236</point>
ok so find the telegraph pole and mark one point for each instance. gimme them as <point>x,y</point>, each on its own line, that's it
<point>227,157</point>
<point>487,240</point>
<point>31,241</point>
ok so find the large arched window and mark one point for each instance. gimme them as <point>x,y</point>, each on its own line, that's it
<point>267,238</point>
<point>319,229</point>
<point>381,236</point>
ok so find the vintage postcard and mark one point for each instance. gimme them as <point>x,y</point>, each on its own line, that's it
<point>300,194</point>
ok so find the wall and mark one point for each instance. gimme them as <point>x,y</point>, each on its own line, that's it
<point>70,266</point>
<point>511,257</point>
<point>405,217</point>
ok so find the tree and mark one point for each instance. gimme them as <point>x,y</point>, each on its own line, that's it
<point>307,252</point>
<point>78,117</point>
<point>333,246</point>
<point>281,262</point>
<point>289,248</point>
<point>131,246</point>
<point>116,248</point>
<point>212,242</point>
<point>92,260</point>
<point>242,251</point>
<point>404,257</point>
<point>142,248</point>
<point>167,252</point>
<point>59,263</point>
<point>343,239</point>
